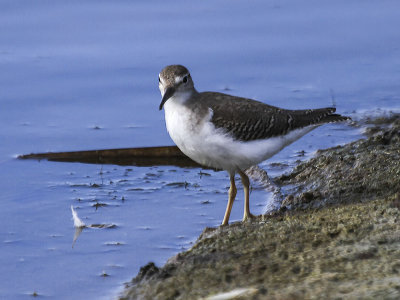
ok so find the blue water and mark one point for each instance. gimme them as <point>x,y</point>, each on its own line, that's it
<point>77,75</point>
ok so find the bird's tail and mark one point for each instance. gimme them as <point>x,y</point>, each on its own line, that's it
<point>317,116</point>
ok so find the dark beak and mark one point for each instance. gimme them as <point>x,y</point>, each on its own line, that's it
<point>168,94</point>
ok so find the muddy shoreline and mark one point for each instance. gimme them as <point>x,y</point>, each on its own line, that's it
<point>336,235</point>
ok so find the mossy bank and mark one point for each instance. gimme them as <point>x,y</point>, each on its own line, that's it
<point>336,236</point>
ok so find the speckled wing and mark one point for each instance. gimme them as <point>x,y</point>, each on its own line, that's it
<point>249,120</point>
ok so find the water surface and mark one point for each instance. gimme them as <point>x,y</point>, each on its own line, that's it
<point>82,75</point>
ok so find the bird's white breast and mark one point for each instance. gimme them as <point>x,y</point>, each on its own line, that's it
<point>182,125</point>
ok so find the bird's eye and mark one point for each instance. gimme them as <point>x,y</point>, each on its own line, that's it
<point>159,79</point>
<point>185,79</point>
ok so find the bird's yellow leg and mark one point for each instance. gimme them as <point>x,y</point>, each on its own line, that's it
<point>232,195</point>
<point>246,185</point>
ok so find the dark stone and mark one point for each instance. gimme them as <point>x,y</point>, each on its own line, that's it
<point>146,272</point>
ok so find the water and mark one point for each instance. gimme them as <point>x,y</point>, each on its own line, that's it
<point>82,75</point>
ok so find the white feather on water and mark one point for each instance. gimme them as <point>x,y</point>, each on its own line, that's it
<point>78,223</point>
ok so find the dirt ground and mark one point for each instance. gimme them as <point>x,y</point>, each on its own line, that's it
<point>337,235</point>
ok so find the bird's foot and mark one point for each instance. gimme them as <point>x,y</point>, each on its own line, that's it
<point>248,216</point>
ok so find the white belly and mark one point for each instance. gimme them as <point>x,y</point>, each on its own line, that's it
<point>205,144</point>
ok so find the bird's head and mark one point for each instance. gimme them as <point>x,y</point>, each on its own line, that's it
<point>175,81</point>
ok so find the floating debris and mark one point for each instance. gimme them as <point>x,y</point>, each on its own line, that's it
<point>114,244</point>
<point>99,204</point>
<point>144,156</point>
<point>178,184</point>
<point>102,226</point>
<point>104,274</point>
<point>35,294</point>
<point>203,174</point>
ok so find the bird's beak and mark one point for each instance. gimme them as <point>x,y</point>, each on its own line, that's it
<point>169,92</point>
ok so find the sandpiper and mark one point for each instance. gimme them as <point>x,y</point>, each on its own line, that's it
<point>230,133</point>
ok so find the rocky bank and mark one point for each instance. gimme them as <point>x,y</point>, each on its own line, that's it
<point>337,235</point>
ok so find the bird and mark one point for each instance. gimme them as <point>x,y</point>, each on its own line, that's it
<point>230,133</point>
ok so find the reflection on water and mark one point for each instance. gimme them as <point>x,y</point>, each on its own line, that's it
<point>78,231</point>
<point>83,75</point>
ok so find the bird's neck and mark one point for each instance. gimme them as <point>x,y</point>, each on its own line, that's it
<point>181,98</point>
